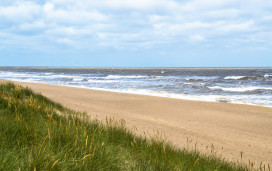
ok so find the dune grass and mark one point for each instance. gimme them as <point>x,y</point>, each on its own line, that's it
<point>38,134</point>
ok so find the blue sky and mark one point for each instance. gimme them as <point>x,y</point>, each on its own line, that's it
<point>136,33</point>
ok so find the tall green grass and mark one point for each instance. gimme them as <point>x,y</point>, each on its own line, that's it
<point>38,134</point>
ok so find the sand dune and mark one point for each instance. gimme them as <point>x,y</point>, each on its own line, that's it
<point>230,128</point>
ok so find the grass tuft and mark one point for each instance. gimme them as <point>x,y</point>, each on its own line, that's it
<point>39,134</point>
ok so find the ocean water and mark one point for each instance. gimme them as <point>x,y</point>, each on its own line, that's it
<point>251,86</point>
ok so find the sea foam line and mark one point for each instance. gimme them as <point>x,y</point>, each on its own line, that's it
<point>233,77</point>
<point>207,98</point>
<point>239,89</point>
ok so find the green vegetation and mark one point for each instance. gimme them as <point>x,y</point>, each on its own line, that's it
<point>38,134</point>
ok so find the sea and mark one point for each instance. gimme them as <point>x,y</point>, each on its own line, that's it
<point>251,86</point>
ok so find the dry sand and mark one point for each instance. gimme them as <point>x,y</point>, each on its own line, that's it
<point>229,128</point>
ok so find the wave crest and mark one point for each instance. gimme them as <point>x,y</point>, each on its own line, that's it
<point>247,77</point>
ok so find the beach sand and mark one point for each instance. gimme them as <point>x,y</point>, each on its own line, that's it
<point>230,129</point>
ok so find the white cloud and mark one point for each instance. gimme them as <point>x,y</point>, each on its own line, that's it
<point>33,26</point>
<point>195,5</point>
<point>223,13</point>
<point>20,12</point>
<point>130,23</point>
<point>244,26</point>
<point>69,31</point>
<point>197,38</point>
<point>74,16</point>
<point>157,18</point>
<point>183,28</point>
<point>197,25</point>
<point>146,4</point>
<point>66,41</point>
<point>267,18</point>
<point>48,7</point>
<point>119,4</point>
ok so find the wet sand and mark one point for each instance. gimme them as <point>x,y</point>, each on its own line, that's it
<point>230,129</point>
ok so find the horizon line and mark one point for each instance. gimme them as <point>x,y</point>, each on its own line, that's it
<point>118,67</point>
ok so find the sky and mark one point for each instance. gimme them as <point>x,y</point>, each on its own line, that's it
<point>136,33</point>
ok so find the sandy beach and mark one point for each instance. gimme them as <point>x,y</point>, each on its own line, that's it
<point>232,130</point>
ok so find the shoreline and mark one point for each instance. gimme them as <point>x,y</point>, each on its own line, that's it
<point>160,94</point>
<point>235,127</point>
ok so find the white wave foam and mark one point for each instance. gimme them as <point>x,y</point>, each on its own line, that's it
<point>200,78</point>
<point>14,74</point>
<point>78,79</point>
<point>131,76</point>
<point>29,80</point>
<point>35,76</point>
<point>103,81</point>
<point>239,89</point>
<point>267,75</point>
<point>49,73</point>
<point>187,83</point>
<point>234,77</point>
<point>110,81</point>
<point>32,80</point>
<point>63,76</point>
<point>122,76</point>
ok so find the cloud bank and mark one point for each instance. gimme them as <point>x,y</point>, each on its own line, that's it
<point>89,25</point>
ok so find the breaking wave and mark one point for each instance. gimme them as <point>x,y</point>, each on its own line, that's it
<point>247,77</point>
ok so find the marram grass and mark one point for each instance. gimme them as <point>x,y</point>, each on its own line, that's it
<point>38,134</point>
